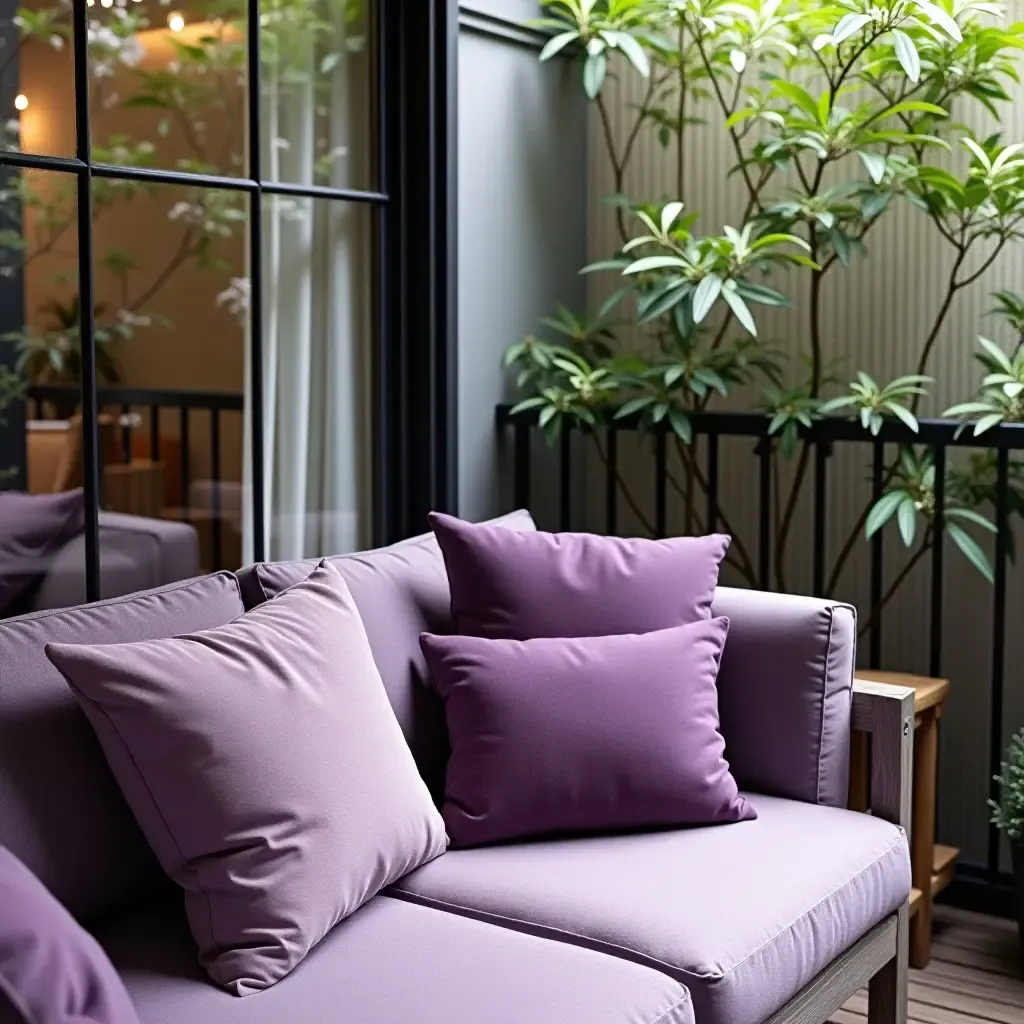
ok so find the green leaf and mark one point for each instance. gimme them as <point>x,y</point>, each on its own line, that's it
<point>634,405</point>
<point>940,18</point>
<point>669,214</point>
<point>546,415</point>
<point>996,353</point>
<point>968,409</point>
<point>594,69</point>
<point>633,51</point>
<point>801,97</point>
<point>704,297</point>
<point>906,518</point>
<point>907,55</point>
<point>529,403</point>
<point>904,414</point>
<point>915,107</point>
<point>874,163</point>
<point>971,549</point>
<point>655,263</point>
<point>558,43</point>
<point>761,293</point>
<point>740,115</point>
<point>883,511</point>
<point>972,517</point>
<point>841,246</point>
<point>987,422</point>
<point>681,425</point>
<point>848,26</point>
<point>739,308</point>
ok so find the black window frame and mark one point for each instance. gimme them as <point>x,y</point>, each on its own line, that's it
<point>414,358</point>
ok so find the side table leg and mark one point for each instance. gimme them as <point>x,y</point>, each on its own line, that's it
<point>922,835</point>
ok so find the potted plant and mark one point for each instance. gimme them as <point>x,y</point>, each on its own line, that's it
<point>1008,817</point>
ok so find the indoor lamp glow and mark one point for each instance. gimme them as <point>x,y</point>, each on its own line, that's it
<point>175,21</point>
<point>20,101</point>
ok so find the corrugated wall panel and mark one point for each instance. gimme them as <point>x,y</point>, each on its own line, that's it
<point>877,314</point>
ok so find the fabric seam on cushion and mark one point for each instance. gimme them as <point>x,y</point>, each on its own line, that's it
<point>484,915</point>
<point>664,1015</point>
<point>156,806</point>
<point>168,588</point>
<point>671,969</point>
<point>22,1007</point>
<point>824,695</point>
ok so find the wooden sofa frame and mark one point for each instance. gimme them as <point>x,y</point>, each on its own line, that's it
<point>879,959</point>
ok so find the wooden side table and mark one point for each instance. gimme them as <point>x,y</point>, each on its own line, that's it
<point>932,864</point>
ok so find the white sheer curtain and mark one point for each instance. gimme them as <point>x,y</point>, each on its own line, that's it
<point>316,325</point>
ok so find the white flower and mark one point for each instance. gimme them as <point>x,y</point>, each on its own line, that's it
<point>130,319</point>
<point>57,42</point>
<point>182,211</point>
<point>236,297</point>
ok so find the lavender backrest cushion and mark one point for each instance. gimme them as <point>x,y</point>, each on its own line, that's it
<point>33,529</point>
<point>266,768</point>
<point>51,970</point>
<point>519,586</point>
<point>61,811</point>
<point>596,733</point>
<point>785,693</point>
<point>400,591</point>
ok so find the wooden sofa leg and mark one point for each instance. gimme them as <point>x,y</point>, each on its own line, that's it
<point>887,712</point>
<point>887,992</point>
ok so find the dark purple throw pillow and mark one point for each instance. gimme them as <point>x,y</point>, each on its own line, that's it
<point>33,528</point>
<point>519,586</point>
<point>51,970</point>
<point>585,734</point>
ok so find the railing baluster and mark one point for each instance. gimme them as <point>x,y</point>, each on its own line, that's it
<point>521,460</point>
<point>764,542</point>
<point>660,483</point>
<point>215,519</point>
<point>995,742</point>
<point>126,433</point>
<point>821,454</point>
<point>565,478</point>
<point>611,508</point>
<point>712,482</point>
<point>877,557</point>
<point>935,657</point>
<point>154,433</point>
<point>183,464</point>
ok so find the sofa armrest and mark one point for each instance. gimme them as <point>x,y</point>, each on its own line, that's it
<point>887,713</point>
<point>785,693</point>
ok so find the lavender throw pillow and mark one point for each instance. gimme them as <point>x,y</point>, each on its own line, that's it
<point>563,735</point>
<point>51,970</point>
<point>33,528</point>
<point>267,770</point>
<point>519,586</point>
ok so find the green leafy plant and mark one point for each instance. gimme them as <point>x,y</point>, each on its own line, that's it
<point>1008,811</point>
<point>835,113</point>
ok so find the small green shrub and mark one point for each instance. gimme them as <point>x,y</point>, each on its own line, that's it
<point>1008,813</point>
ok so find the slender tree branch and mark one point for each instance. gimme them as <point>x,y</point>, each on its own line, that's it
<point>940,317</point>
<point>926,546</point>
<point>630,500</point>
<point>180,257</point>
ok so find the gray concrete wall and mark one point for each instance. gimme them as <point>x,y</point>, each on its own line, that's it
<point>522,220</point>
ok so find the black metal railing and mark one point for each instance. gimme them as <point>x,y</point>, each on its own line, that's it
<point>819,441</point>
<point>140,409</point>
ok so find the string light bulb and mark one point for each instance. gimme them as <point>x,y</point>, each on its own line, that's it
<point>107,3</point>
<point>20,101</point>
<point>175,21</point>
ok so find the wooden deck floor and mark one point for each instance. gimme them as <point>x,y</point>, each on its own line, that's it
<point>973,977</point>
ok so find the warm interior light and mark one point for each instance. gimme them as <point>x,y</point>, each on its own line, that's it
<point>175,21</point>
<point>21,101</point>
<point>107,3</point>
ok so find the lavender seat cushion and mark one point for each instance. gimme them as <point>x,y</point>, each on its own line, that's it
<point>583,734</point>
<point>51,970</point>
<point>518,586</point>
<point>33,529</point>
<point>400,591</point>
<point>393,963</point>
<point>61,811</point>
<point>743,916</point>
<point>265,766</point>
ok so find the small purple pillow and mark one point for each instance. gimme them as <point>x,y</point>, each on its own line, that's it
<point>51,970</point>
<point>520,586</point>
<point>265,765</point>
<point>33,528</point>
<point>586,734</point>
